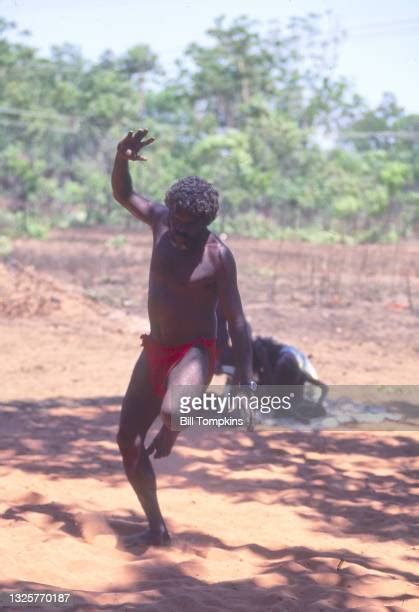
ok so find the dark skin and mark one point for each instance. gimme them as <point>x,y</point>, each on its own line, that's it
<point>191,271</point>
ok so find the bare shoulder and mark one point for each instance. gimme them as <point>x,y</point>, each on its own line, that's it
<point>159,211</point>
<point>160,216</point>
<point>221,254</point>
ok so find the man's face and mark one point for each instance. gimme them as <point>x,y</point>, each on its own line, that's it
<point>185,229</point>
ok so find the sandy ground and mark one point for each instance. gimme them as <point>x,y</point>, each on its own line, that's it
<point>260,521</point>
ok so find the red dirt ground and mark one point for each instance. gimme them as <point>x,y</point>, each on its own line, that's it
<point>260,521</point>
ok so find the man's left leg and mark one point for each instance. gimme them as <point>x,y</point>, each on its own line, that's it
<point>192,369</point>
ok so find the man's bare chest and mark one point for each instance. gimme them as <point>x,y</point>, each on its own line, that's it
<point>182,271</point>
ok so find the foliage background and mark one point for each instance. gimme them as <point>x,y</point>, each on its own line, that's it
<point>250,112</point>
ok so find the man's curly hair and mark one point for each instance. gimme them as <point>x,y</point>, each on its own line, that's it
<point>194,195</point>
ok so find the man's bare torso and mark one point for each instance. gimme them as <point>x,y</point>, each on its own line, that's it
<point>182,288</point>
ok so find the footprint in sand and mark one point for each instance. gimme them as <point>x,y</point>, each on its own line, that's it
<point>96,530</point>
<point>31,498</point>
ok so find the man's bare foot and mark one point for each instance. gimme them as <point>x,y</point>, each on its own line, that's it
<point>162,443</point>
<point>159,537</point>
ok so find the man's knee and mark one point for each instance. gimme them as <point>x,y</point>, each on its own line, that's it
<point>129,449</point>
<point>125,441</point>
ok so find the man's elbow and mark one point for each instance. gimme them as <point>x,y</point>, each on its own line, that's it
<point>120,197</point>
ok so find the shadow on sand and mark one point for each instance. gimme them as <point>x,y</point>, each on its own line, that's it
<point>34,435</point>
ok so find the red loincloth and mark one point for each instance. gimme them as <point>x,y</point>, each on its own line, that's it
<point>161,359</point>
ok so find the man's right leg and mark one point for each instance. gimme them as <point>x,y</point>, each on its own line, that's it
<point>139,409</point>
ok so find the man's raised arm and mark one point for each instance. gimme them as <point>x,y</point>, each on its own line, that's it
<point>128,150</point>
<point>231,306</point>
